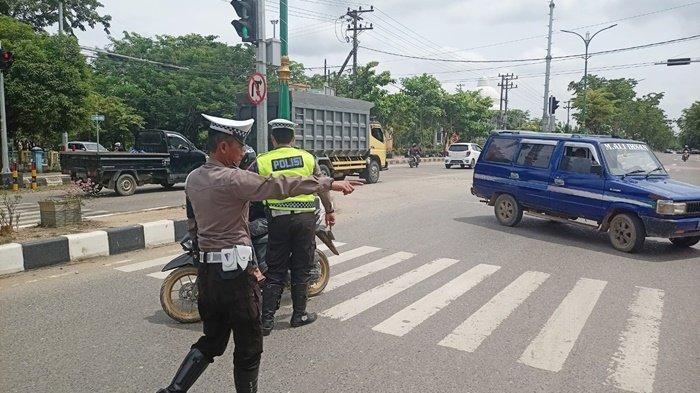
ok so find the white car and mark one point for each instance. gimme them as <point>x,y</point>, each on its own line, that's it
<point>462,154</point>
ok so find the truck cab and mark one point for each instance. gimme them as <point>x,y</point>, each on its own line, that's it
<point>617,183</point>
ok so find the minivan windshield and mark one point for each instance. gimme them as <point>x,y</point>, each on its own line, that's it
<point>459,148</point>
<point>631,159</point>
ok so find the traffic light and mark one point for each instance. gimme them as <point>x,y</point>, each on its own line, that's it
<point>553,105</point>
<point>246,26</point>
<point>6,60</point>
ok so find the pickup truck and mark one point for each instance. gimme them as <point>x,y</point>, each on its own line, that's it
<point>619,184</point>
<point>158,157</point>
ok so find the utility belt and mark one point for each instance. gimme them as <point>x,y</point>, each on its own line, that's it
<point>230,258</point>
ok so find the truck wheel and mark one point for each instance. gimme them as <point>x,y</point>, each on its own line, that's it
<point>371,174</point>
<point>325,170</point>
<point>626,233</point>
<point>167,186</point>
<point>507,210</point>
<point>685,241</point>
<point>126,185</point>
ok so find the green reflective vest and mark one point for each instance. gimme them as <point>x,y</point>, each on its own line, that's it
<point>288,161</point>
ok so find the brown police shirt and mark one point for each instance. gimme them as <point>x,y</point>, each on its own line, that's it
<point>220,197</point>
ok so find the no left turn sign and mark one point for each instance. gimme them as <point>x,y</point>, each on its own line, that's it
<point>257,88</point>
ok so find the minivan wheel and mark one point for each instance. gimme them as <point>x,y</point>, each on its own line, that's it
<point>507,210</point>
<point>448,166</point>
<point>685,241</point>
<point>626,233</point>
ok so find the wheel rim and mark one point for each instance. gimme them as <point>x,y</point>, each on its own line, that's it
<point>623,232</point>
<point>127,185</point>
<point>374,171</point>
<point>319,271</point>
<point>184,294</point>
<point>506,210</point>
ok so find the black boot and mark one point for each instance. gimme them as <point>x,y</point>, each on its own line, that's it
<point>272,293</point>
<point>191,368</point>
<point>245,381</point>
<point>299,296</point>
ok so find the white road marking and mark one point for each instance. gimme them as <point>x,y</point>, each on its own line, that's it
<point>351,254</point>
<point>349,276</point>
<point>160,275</point>
<point>405,320</point>
<point>472,332</point>
<point>551,347</point>
<point>376,295</point>
<point>147,264</point>
<point>322,247</point>
<point>117,262</point>
<point>633,366</point>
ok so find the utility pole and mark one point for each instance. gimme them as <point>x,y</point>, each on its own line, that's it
<point>354,16</point>
<point>500,102</point>
<point>568,115</point>
<point>274,27</point>
<point>505,85</point>
<point>545,111</point>
<point>460,87</point>
<point>261,67</point>
<point>60,18</point>
<point>3,130</point>
<point>586,41</point>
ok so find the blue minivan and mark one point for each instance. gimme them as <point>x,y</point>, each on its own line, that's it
<point>619,184</point>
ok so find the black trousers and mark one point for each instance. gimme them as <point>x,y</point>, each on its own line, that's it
<point>291,245</point>
<point>229,305</point>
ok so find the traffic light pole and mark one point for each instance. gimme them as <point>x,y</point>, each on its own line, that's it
<point>261,67</point>
<point>5,154</point>
<point>283,110</point>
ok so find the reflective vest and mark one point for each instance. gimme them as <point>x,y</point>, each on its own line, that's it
<point>288,161</point>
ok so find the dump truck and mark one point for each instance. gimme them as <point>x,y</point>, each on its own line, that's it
<point>337,131</point>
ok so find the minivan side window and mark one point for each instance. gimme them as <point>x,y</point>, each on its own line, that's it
<point>535,155</point>
<point>578,160</point>
<point>502,150</point>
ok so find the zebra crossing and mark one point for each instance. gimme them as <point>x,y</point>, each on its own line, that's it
<point>30,215</point>
<point>632,366</point>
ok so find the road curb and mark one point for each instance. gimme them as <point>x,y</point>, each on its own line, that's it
<point>403,160</point>
<point>18,257</point>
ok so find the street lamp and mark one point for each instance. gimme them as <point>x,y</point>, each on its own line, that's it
<point>587,41</point>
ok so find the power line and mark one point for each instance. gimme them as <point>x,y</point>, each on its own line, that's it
<point>605,52</point>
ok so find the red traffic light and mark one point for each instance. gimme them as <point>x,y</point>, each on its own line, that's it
<point>5,60</point>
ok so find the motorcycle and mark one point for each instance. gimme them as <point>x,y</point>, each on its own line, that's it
<point>685,156</point>
<point>178,292</point>
<point>413,161</point>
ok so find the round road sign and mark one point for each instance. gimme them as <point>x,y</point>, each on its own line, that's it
<point>257,88</point>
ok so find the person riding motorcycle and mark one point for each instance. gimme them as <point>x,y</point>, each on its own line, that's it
<point>686,153</point>
<point>415,153</point>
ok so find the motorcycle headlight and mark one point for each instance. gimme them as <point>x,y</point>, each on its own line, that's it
<point>670,208</point>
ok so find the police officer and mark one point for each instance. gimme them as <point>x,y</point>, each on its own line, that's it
<point>219,194</point>
<point>291,240</point>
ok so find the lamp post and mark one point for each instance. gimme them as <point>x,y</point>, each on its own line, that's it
<point>587,41</point>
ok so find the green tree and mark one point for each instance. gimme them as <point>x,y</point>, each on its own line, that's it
<point>174,99</point>
<point>517,118</point>
<point>397,113</point>
<point>47,85</point>
<point>367,85</point>
<point>689,123</point>
<point>120,124</point>
<point>78,14</point>
<point>467,113</point>
<point>428,97</point>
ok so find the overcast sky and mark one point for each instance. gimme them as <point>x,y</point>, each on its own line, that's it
<point>461,29</point>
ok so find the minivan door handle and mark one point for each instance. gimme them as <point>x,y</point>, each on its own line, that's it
<point>558,181</point>
<point>514,176</point>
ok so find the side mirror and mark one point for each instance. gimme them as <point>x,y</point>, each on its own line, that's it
<point>597,169</point>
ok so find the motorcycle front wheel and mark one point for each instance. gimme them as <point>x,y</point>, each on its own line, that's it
<point>178,295</point>
<point>320,274</point>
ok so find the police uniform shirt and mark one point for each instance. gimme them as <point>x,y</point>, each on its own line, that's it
<point>220,200</point>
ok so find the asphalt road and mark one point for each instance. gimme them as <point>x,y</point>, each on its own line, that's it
<point>429,295</point>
